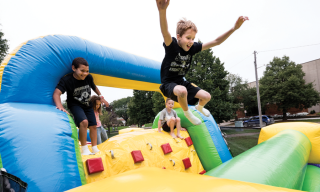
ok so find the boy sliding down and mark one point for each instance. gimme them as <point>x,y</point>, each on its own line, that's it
<point>177,61</point>
<point>78,86</point>
<point>169,120</point>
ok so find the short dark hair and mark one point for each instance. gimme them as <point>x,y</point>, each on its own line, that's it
<point>79,61</point>
<point>168,99</point>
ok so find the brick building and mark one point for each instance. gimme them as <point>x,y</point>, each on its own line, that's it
<point>312,71</point>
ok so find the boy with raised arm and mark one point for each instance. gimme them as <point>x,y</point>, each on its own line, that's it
<point>177,61</point>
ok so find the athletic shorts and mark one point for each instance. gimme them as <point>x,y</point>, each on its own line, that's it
<point>166,128</point>
<point>167,90</point>
<point>81,114</point>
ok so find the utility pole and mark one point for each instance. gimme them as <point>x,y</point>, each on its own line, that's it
<point>257,86</point>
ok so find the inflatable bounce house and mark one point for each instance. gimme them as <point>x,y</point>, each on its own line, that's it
<point>39,143</point>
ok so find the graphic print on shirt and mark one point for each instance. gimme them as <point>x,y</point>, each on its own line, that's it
<point>181,64</point>
<point>82,94</point>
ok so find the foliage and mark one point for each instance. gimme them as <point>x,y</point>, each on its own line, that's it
<point>242,94</point>
<point>158,102</point>
<point>4,47</point>
<point>209,74</point>
<point>108,118</point>
<point>120,107</point>
<point>283,84</point>
<point>312,112</point>
<point>140,107</point>
<point>65,106</point>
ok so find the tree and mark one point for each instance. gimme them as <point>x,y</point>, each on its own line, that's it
<point>158,102</point>
<point>209,74</point>
<point>4,47</point>
<point>283,84</point>
<point>140,107</point>
<point>108,118</point>
<point>120,107</point>
<point>242,94</point>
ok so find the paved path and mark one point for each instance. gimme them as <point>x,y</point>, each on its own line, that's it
<point>242,134</point>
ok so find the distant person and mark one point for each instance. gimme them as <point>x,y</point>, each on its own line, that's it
<point>169,120</point>
<point>78,86</point>
<point>177,62</point>
<point>101,132</point>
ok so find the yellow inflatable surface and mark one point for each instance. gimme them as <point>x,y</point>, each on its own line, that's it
<point>160,180</point>
<point>149,143</point>
<point>311,130</point>
<point>127,130</point>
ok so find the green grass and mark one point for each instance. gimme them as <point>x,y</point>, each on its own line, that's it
<point>241,144</point>
<point>234,131</point>
<point>148,125</point>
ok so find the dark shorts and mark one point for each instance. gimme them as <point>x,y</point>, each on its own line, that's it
<point>167,90</point>
<point>166,128</point>
<point>81,114</point>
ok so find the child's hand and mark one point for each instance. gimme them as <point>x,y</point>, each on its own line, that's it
<point>240,21</point>
<point>63,109</point>
<point>162,4</point>
<point>104,101</point>
<point>159,131</point>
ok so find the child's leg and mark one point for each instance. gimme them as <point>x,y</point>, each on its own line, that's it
<point>171,124</point>
<point>204,97</point>
<point>182,94</point>
<point>93,128</point>
<point>83,132</point>
<point>178,124</point>
<point>93,135</point>
<point>98,135</point>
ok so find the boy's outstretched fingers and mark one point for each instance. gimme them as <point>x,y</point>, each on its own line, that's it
<point>183,129</point>
<point>62,109</point>
<point>240,21</point>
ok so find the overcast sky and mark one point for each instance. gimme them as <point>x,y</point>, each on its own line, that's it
<point>133,27</point>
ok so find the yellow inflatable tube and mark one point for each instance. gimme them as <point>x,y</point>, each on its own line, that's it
<point>160,180</point>
<point>311,130</point>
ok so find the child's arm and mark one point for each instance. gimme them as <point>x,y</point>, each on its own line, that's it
<point>159,126</point>
<point>162,7</point>
<point>56,98</point>
<point>224,36</point>
<point>97,91</point>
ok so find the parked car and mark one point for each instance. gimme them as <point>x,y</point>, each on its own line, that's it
<point>254,121</point>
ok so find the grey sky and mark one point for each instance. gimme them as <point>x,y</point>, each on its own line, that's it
<point>133,27</point>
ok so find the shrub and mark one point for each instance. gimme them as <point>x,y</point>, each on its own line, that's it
<point>312,112</point>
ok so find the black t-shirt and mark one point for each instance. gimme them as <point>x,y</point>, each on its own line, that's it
<point>78,91</point>
<point>177,61</point>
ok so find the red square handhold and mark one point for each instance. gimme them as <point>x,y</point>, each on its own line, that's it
<point>94,165</point>
<point>166,148</point>
<point>186,162</point>
<point>163,167</point>
<point>188,141</point>
<point>137,156</point>
<point>202,172</point>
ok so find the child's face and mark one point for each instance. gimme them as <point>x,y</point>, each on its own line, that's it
<point>81,72</point>
<point>170,104</point>
<point>186,40</point>
<point>98,104</point>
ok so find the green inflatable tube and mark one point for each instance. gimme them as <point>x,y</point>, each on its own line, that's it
<point>280,161</point>
<point>312,179</point>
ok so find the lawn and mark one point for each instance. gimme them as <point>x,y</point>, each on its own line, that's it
<point>241,144</point>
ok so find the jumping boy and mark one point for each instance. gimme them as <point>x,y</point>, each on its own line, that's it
<point>177,61</point>
<point>78,86</point>
<point>169,120</point>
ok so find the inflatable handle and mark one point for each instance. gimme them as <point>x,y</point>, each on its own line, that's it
<point>150,145</point>
<point>174,163</point>
<point>112,154</point>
